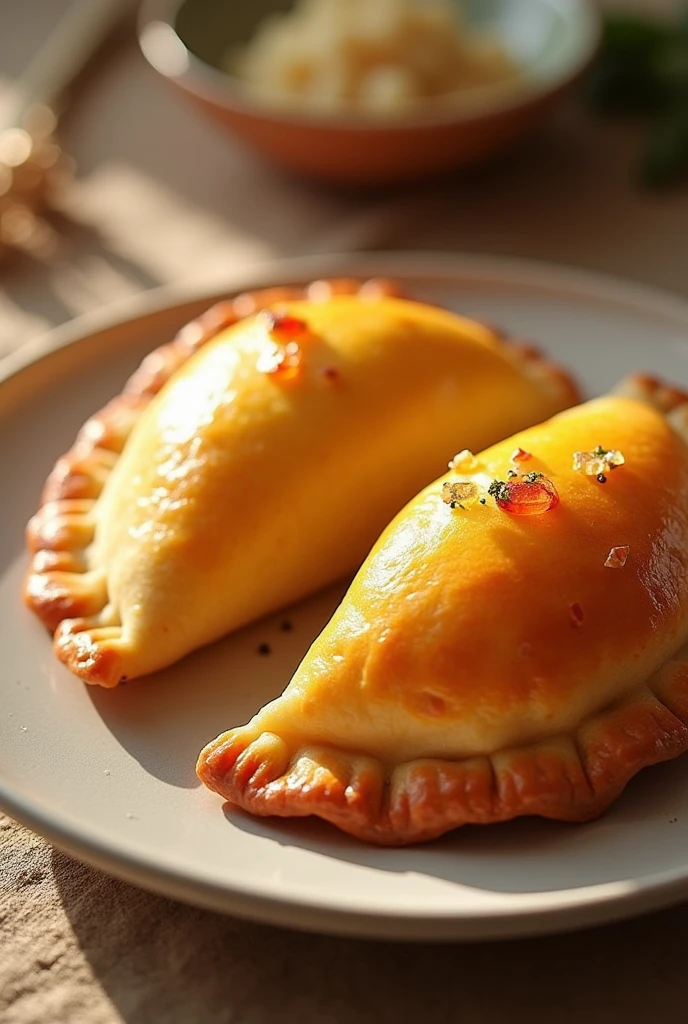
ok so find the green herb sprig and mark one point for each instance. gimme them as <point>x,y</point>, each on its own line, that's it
<point>642,72</point>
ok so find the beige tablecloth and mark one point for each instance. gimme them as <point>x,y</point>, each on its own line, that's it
<point>159,198</point>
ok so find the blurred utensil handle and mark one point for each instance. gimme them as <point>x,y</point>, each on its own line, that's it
<point>64,55</point>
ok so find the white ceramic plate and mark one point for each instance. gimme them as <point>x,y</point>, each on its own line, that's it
<point>109,775</point>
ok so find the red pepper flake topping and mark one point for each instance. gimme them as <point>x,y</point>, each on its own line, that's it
<point>576,614</point>
<point>462,495</point>
<point>332,374</point>
<point>283,325</point>
<point>283,358</point>
<point>520,455</point>
<point>528,495</point>
<point>617,557</point>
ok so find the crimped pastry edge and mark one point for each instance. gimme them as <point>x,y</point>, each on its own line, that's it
<point>566,778</point>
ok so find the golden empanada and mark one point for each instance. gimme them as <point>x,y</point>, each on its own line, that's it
<point>514,644</point>
<point>275,450</point>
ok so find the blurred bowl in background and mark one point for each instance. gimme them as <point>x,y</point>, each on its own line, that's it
<point>552,41</point>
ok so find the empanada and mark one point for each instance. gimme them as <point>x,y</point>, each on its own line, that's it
<point>274,452</point>
<point>525,656</point>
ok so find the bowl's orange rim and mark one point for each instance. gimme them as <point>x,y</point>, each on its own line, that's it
<point>216,87</point>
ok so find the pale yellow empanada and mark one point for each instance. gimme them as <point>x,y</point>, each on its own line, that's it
<point>488,663</point>
<point>263,468</point>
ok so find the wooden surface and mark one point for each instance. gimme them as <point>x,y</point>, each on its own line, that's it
<point>160,197</point>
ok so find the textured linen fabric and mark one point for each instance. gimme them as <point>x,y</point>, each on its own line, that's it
<point>77,947</point>
<point>160,197</point>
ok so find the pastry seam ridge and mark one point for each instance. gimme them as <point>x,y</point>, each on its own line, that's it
<point>669,400</point>
<point>543,371</point>
<point>423,798</point>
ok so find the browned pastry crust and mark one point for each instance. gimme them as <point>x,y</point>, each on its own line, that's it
<point>60,531</point>
<point>449,717</point>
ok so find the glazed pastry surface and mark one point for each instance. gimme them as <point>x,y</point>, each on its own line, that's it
<point>242,486</point>
<point>486,664</point>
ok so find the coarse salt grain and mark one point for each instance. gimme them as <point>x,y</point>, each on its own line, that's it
<point>617,557</point>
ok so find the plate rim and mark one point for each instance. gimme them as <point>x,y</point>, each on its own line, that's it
<point>584,908</point>
<point>585,905</point>
<point>554,276</point>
